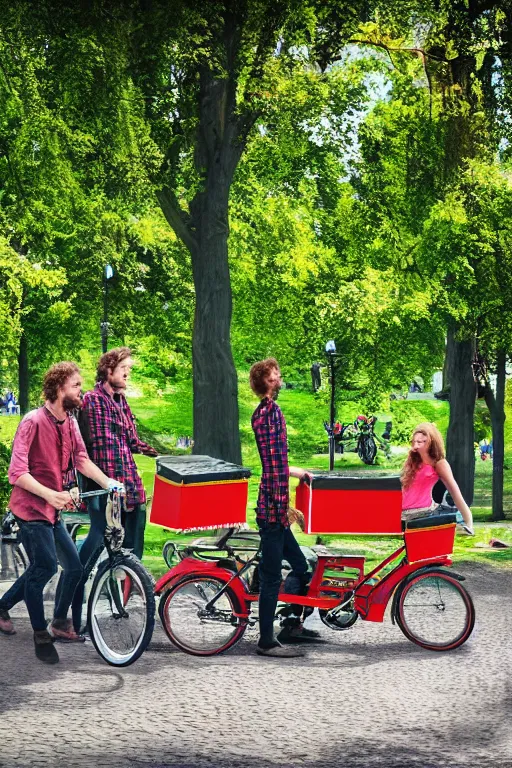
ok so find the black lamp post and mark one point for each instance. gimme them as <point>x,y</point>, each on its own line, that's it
<point>108,273</point>
<point>330,351</point>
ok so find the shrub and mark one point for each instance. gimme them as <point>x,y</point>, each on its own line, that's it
<point>5,487</point>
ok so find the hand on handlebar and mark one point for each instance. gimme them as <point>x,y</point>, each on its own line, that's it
<point>60,500</point>
<point>115,485</point>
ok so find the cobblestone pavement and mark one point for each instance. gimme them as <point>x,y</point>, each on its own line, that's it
<point>368,697</point>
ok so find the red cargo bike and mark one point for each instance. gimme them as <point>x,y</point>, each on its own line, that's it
<point>206,597</point>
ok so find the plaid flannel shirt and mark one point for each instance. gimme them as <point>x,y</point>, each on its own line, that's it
<point>270,431</point>
<point>112,439</point>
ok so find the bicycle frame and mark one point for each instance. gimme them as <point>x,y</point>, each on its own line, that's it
<point>369,599</point>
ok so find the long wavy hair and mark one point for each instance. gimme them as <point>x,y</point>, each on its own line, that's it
<point>435,451</point>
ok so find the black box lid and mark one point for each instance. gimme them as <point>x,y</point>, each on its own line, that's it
<point>363,480</point>
<point>198,469</point>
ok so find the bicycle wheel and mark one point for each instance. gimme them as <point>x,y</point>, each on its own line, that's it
<point>192,628</point>
<point>367,449</point>
<point>13,560</point>
<point>121,610</point>
<point>435,611</point>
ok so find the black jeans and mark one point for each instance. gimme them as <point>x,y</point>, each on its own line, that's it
<point>134,522</point>
<point>277,544</point>
<point>46,545</point>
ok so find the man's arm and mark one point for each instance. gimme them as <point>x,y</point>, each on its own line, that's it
<point>83,463</point>
<point>136,444</point>
<point>94,473</point>
<point>19,470</point>
<point>56,499</point>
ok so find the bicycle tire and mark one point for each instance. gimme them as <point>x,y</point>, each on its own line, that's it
<point>367,449</point>
<point>108,629</point>
<point>13,560</point>
<point>427,597</point>
<point>183,631</point>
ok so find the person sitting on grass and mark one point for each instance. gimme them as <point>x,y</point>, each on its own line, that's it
<point>272,517</point>
<point>424,466</point>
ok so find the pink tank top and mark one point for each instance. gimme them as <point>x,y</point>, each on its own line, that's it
<point>419,494</point>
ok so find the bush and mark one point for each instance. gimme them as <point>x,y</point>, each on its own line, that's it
<point>5,487</point>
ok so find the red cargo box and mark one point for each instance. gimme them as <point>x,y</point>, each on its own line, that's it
<point>342,502</point>
<point>429,543</point>
<point>198,492</point>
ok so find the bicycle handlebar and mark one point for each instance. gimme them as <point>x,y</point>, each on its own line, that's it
<point>100,492</point>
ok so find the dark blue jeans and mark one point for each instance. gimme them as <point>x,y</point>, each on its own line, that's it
<point>46,545</point>
<point>134,523</point>
<point>277,544</point>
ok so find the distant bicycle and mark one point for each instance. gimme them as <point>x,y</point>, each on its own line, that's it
<point>359,436</point>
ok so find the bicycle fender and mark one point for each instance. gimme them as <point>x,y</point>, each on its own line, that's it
<point>191,566</point>
<point>425,569</point>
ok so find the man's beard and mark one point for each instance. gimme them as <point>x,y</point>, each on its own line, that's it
<point>70,403</point>
<point>118,387</point>
<point>275,393</point>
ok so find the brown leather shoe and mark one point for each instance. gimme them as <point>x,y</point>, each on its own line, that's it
<point>6,625</point>
<point>62,629</point>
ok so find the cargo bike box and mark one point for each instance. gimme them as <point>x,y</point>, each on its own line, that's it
<point>350,502</point>
<point>199,492</point>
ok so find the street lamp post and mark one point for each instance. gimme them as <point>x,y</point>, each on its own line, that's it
<point>330,351</point>
<point>108,273</point>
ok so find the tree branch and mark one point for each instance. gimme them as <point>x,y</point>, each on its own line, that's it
<point>178,219</point>
<point>388,48</point>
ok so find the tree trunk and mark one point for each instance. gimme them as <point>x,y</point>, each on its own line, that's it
<point>460,450</point>
<point>23,375</point>
<point>221,137</point>
<point>216,430</point>
<point>496,407</point>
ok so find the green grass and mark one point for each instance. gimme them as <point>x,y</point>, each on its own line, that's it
<point>161,419</point>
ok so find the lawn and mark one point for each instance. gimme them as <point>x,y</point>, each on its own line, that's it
<point>161,419</point>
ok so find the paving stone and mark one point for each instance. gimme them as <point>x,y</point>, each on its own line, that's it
<point>367,698</point>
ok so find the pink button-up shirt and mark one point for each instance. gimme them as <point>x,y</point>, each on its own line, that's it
<point>44,448</point>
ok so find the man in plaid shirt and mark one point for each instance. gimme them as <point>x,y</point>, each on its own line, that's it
<point>110,435</point>
<point>277,540</point>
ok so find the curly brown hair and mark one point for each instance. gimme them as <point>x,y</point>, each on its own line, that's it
<point>110,360</point>
<point>55,378</point>
<point>259,373</point>
<point>435,451</point>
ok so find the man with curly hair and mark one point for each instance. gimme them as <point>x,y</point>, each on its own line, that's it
<point>277,539</point>
<point>111,438</point>
<point>47,451</point>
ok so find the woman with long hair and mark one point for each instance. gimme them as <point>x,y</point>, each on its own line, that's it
<point>424,466</point>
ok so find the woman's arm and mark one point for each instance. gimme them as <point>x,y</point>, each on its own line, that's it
<point>444,471</point>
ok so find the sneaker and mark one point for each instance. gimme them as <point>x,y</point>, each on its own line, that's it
<point>6,625</point>
<point>465,530</point>
<point>62,629</point>
<point>280,652</point>
<point>299,634</point>
<point>45,651</point>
